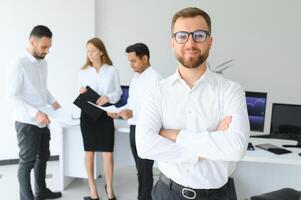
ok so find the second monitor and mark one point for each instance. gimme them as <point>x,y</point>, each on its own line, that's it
<point>256,104</point>
<point>286,122</point>
<point>124,97</point>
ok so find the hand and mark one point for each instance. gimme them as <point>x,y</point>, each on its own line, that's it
<point>126,114</point>
<point>56,105</point>
<point>42,118</point>
<point>224,124</point>
<point>102,100</point>
<point>170,134</point>
<point>82,90</point>
<point>113,115</point>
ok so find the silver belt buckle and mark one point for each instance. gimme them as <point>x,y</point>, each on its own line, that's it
<point>190,190</point>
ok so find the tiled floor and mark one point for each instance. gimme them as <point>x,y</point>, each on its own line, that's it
<point>125,183</point>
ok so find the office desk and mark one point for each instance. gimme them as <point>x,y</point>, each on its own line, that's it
<point>261,171</point>
<point>71,154</point>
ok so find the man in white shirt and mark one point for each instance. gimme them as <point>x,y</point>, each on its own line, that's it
<point>28,92</point>
<point>145,76</point>
<point>194,123</point>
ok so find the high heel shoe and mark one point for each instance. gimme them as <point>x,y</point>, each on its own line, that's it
<point>89,198</point>
<point>114,198</point>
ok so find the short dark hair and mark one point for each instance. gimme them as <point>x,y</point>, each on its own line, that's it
<point>191,12</point>
<point>140,49</point>
<point>41,31</point>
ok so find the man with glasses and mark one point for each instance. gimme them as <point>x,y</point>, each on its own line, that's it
<point>195,122</point>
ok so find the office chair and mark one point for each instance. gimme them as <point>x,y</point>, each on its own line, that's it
<point>282,194</point>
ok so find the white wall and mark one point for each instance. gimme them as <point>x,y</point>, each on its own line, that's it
<point>263,37</point>
<point>72,23</point>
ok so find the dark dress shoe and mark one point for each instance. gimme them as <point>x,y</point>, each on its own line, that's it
<point>114,198</point>
<point>48,194</point>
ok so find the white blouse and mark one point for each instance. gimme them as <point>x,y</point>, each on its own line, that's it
<point>105,82</point>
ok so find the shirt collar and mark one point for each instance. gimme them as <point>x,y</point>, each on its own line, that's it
<point>206,77</point>
<point>175,77</point>
<point>31,57</point>
<point>143,73</point>
<point>104,66</point>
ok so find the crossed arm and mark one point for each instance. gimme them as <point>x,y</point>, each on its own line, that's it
<point>172,134</point>
<point>227,143</point>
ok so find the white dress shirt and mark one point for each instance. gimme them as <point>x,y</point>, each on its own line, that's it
<point>196,112</point>
<point>139,86</point>
<point>104,82</point>
<point>27,88</point>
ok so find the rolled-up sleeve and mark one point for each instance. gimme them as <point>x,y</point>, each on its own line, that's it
<point>115,95</point>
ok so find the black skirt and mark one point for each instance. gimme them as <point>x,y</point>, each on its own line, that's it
<point>98,135</point>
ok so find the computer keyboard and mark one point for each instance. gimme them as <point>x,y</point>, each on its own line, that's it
<point>260,136</point>
<point>273,149</point>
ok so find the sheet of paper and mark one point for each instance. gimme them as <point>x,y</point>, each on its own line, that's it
<point>61,115</point>
<point>112,108</point>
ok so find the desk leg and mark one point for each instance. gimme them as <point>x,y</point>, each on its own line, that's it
<point>64,180</point>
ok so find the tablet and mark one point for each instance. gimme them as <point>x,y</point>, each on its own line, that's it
<point>273,149</point>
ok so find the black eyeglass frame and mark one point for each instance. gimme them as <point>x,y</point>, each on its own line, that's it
<point>207,34</point>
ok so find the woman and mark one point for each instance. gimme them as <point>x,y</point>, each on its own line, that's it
<point>98,135</point>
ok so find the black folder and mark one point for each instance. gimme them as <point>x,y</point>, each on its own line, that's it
<point>82,102</point>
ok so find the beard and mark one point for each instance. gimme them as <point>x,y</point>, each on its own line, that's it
<point>193,62</point>
<point>37,55</point>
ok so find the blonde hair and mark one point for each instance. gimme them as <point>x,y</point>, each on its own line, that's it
<point>104,58</point>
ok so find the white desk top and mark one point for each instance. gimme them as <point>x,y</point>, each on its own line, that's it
<point>120,124</point>
<point>258,155</point>
<point>263,156</point>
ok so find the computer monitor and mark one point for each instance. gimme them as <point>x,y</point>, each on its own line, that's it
<point>286,122</point>
<point>256,104</point>
<point>124,97</point>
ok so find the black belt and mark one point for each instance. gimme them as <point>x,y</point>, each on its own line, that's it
<point>189,193</point>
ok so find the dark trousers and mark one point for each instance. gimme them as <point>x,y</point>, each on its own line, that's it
<point>161,191</point>
<point>144,168</point>
<point>34,153</point>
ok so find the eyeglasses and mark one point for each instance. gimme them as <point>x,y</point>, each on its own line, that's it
<point>198,36</point>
